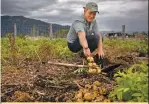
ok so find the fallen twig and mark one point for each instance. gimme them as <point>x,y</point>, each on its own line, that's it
<point>69,65</point>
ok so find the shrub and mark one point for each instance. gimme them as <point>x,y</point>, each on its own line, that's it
<point>132,84</point>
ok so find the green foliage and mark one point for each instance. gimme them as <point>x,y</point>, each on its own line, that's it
<point>81,71</point>
<point>132,84</point>
<point>33,48</point>
<point>61,33</point>
<point>142,52</point>
<point>132,45</point>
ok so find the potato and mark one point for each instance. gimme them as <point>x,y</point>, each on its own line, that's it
<point>98,71</point>
<point>95,93</point>
<point>90,59</point>
<point>85,90</point>
<point>94,65</point>
<point>79,95</point>
<point>106,100</point>
<point>81,90</point>
<point>104,90</point>
<point>95,88</point>
<point>100,91</point>
<point>88,86</point>
<point>92,71</point>
<point>88,96</point>
<point>90,64</point>
<point>97,83</point>
<point>100,98</point>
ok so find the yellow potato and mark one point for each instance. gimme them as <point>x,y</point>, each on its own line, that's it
<point>97,83</point>
<point>79,95</point>
<point>85,90</point>
<point>95,93</point>
<point>98,71</point>
<point>90,59</point>
<point>88,96</point>
<point>100,91</point>
<point>90,64</point>
<point>95,65</point>
<point>88,86</point>
<point>95,88</point>
<point>92,71</point>
<point>100,98</point>
<point>104,90</point>
<point>106,100</point>
<point>81,90</point>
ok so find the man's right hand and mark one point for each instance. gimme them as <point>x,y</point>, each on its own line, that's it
<point>86,52</point>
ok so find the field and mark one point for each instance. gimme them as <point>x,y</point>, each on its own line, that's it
<point>28,77</point>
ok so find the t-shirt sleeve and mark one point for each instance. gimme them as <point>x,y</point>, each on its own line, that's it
<point>96,28</point>
<point>78,26</point>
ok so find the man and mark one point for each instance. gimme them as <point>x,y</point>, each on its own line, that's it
<point>84,34</point>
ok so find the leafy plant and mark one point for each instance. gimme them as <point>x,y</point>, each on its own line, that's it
<point>81,71</point>
<point>132,84</point>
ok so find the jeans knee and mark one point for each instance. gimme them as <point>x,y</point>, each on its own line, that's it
<point>73,48</point>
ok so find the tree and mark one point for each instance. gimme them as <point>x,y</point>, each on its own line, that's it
<point>62,33</point>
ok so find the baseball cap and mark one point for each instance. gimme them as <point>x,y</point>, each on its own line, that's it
<point>92,6</point>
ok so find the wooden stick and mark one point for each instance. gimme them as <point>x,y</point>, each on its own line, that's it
<point>69,65</point>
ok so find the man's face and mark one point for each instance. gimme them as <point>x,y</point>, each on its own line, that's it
<point>89,15</point>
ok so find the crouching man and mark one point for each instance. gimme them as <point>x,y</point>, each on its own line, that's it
<point>84,34</point>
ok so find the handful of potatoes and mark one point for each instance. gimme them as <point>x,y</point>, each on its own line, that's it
<point>91,92</point>
<point>93,67</point>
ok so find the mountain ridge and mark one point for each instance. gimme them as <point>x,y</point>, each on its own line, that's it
<point>25,25</point>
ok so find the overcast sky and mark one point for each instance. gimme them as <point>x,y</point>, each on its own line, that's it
<point>113,13</point>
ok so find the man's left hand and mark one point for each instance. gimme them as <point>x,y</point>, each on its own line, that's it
<point>100,54</point>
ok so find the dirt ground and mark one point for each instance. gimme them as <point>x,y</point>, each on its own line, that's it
<point>41,82</point>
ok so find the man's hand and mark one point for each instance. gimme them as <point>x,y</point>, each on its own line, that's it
<point>86,52</point>
<point>100,54</point>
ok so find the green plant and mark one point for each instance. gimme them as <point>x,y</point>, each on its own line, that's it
<point>142,52</point>
<point>132,84</point>
<point>35,49</point>
<point>81,71</point>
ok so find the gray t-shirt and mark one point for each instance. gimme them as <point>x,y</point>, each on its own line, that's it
<point>80,25</point>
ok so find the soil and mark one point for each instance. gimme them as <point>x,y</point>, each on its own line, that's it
<point>40,82</point>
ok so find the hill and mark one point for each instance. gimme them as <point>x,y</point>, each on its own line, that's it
<point>25,25</point>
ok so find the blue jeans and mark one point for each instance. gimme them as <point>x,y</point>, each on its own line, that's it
<point>92,41</point>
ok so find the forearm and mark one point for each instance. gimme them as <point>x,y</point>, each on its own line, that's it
<point>82,39</point>
<point>100,42</point>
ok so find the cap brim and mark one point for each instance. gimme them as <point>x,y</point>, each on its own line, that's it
<point>94,10</point>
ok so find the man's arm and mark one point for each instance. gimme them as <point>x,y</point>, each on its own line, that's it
<point>84,44</point>
<point>82,39</point>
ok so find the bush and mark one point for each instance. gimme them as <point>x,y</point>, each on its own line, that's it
<point>132,45</point>
<point>36,49</point>
<point>132,84</point>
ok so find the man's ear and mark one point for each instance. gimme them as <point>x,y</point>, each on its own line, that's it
<point>85,9</point>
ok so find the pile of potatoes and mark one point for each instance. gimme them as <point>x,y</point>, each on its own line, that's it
<point>91,93</point>
<point>93,67</point>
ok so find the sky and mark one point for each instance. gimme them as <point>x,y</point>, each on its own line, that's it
<point>112,13</point>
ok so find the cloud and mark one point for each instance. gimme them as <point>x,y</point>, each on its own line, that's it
<point>113,13</point>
